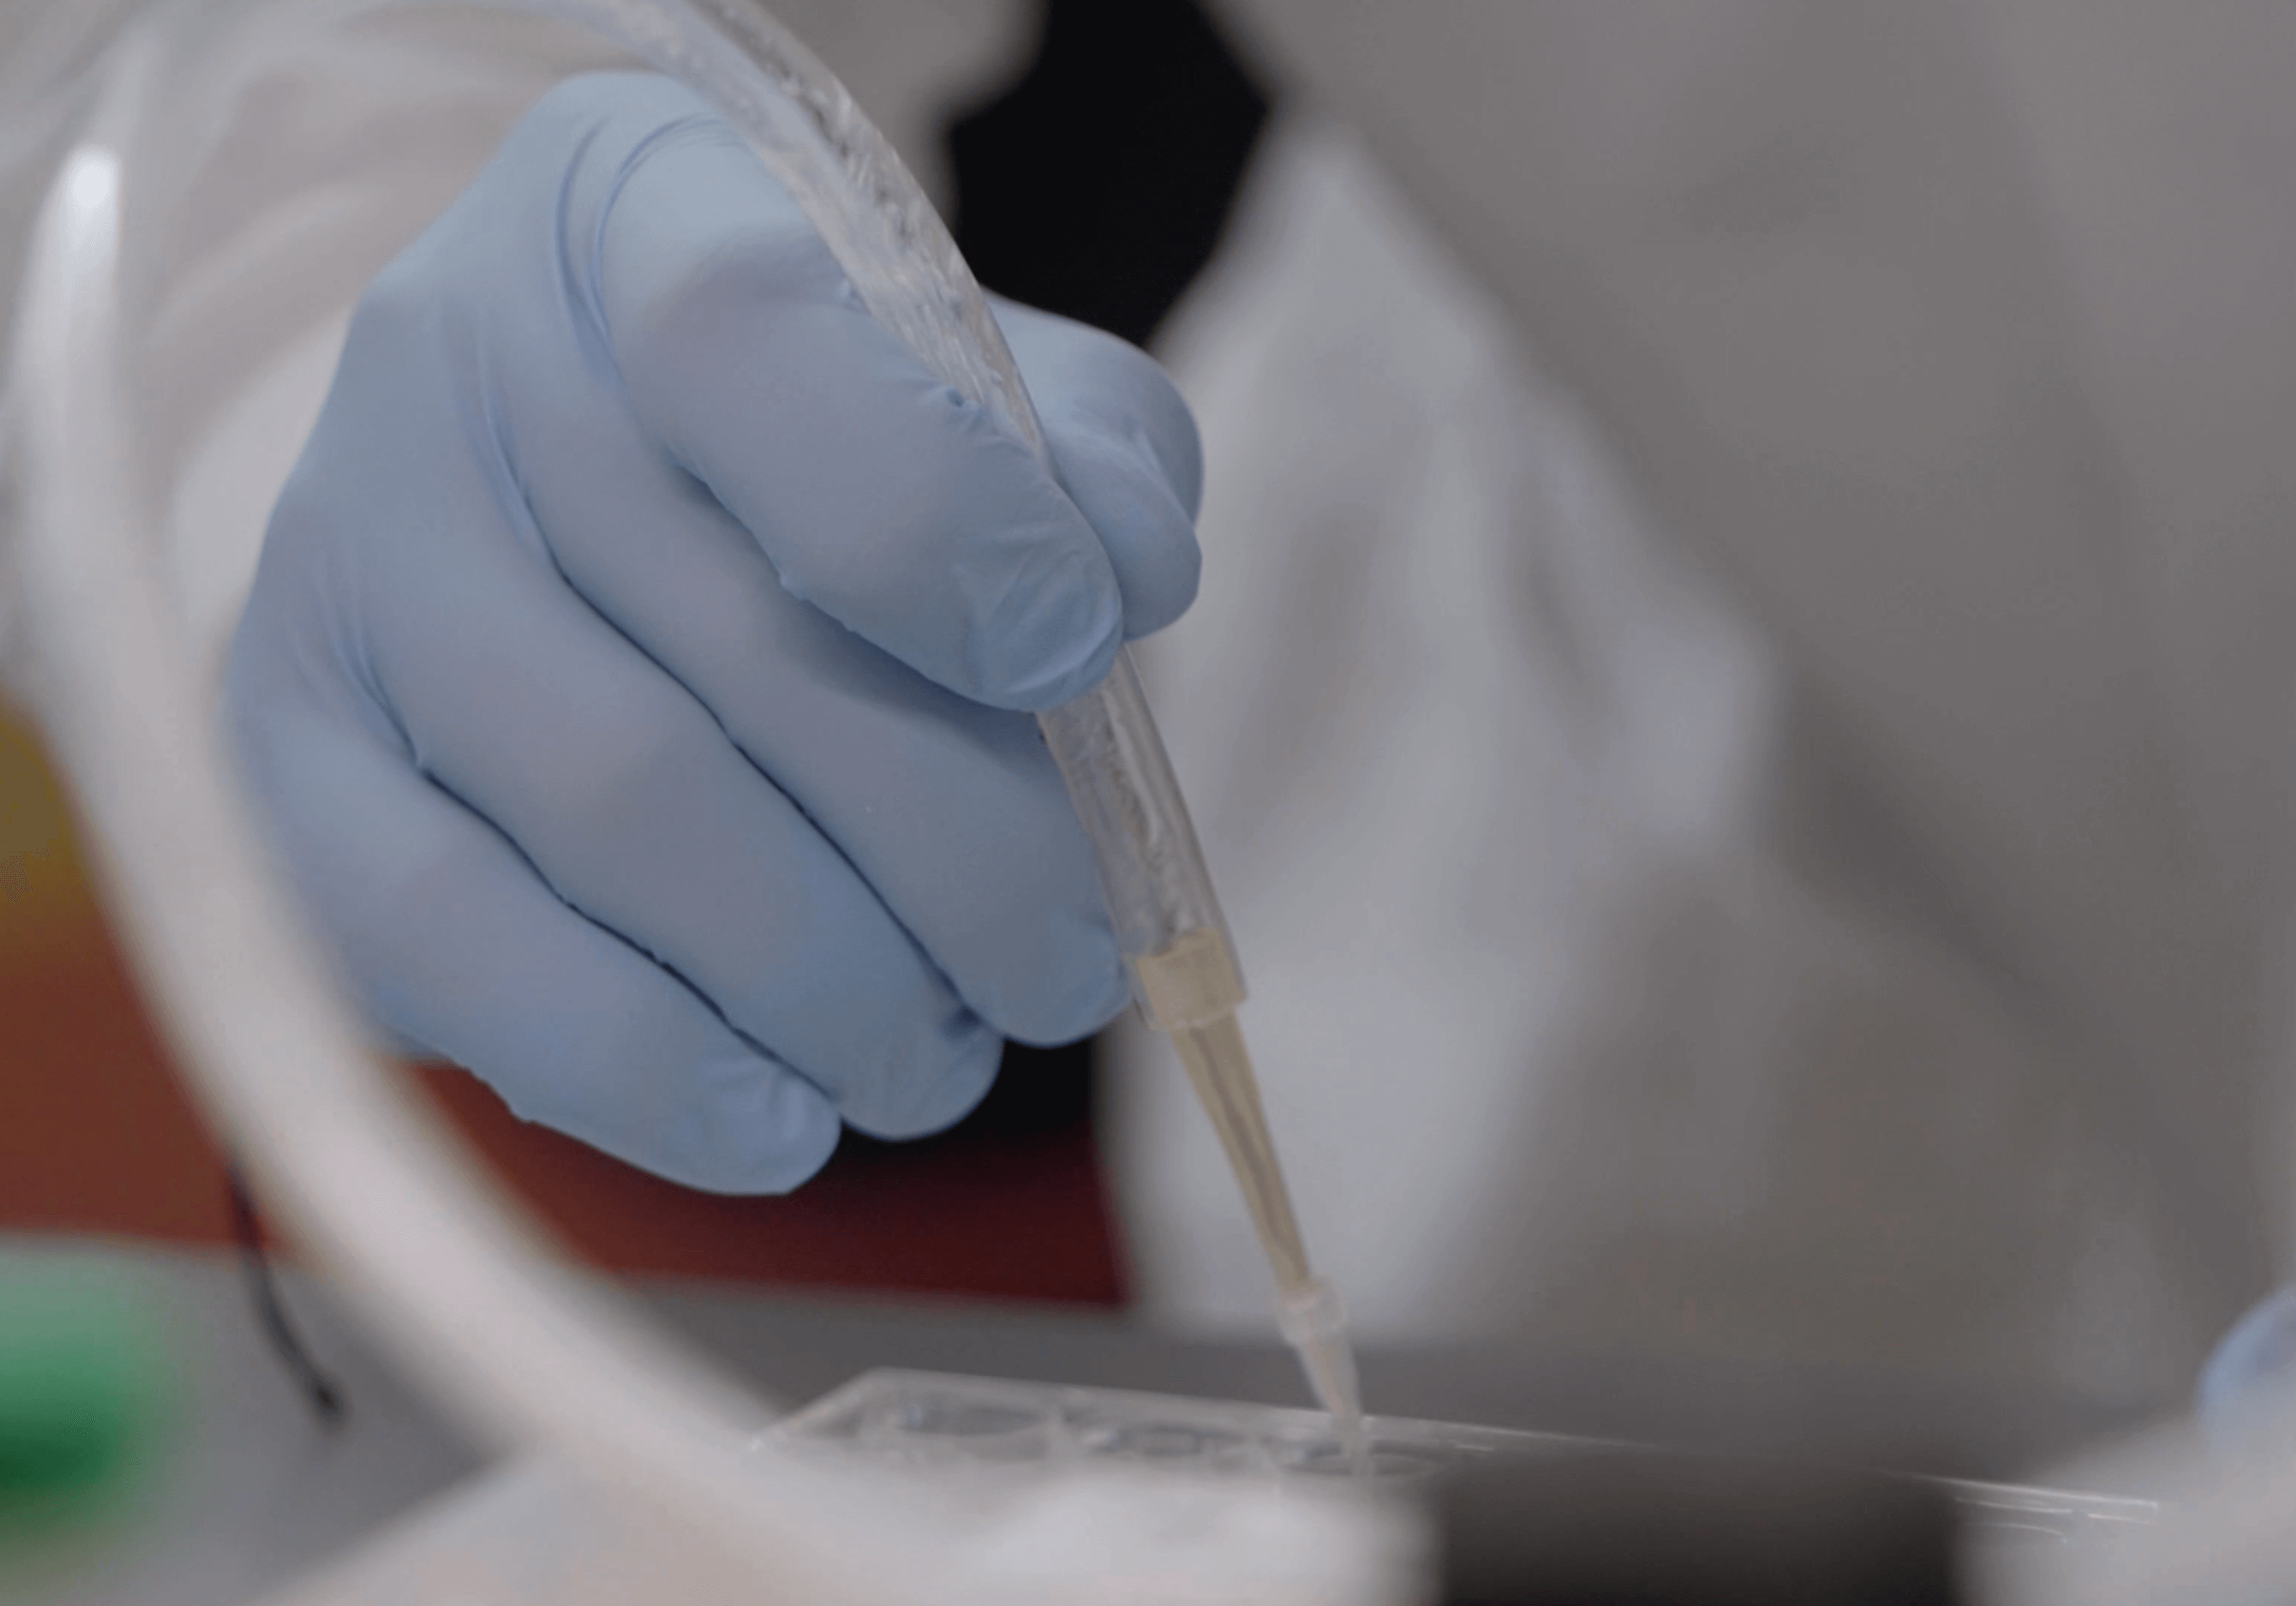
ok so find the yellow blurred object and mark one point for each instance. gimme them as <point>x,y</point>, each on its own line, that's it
<point>41,878</point>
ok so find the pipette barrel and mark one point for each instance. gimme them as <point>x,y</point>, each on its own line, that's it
<point>906,268</point>
<point>1151,870</point>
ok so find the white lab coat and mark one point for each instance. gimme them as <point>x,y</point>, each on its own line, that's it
<point>1740,703</point>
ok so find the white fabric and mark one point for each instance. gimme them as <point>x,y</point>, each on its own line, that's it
<point>1556,1046</point>
<point>1926,1008</point>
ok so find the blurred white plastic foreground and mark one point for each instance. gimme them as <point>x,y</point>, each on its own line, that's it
<point>529,1532</point>
<point>133,334</point>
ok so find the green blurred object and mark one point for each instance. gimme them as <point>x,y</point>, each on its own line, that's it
<point>86,1391</point>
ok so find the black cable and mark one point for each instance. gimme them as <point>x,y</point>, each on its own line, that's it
<point>327,1398</point>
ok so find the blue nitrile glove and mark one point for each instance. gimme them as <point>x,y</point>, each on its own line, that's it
<point>633,675</point>
<point>2248,1389</point>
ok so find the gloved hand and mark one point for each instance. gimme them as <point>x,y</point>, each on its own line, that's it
<point>633,676</point>
<point>2246,1397</point>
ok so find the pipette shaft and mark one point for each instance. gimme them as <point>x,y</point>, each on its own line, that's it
<point>906,270</point>
<point>1188,985</point>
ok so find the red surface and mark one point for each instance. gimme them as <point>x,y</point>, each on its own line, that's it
<point>97,1137</point>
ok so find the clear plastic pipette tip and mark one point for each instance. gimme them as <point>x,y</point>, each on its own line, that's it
<point>1312,1319</point>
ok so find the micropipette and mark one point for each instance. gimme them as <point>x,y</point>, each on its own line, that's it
<point>901,259</point>
<point>1188,985</point>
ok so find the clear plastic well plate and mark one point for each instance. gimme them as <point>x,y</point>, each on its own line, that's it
<point>975,1426</point>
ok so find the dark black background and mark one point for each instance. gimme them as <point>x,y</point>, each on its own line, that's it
<point>1099,184</point>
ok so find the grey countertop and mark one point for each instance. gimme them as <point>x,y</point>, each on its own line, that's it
<point>252,1489</point>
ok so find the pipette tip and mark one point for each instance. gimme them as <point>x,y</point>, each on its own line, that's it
<point>1312,1319</point>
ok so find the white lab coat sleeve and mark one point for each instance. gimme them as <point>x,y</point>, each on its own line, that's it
<point>341,143</point>
<point>338,148</point>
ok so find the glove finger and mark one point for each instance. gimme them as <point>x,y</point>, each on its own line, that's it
<point>619,787</point>
<point>879,495</point>
<point>629,798</point>
<point>1127,452</point>
<point>952,811</point>
<point>460,949</point>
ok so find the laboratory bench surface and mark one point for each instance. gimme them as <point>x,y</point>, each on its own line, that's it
<point>253,1489</point>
